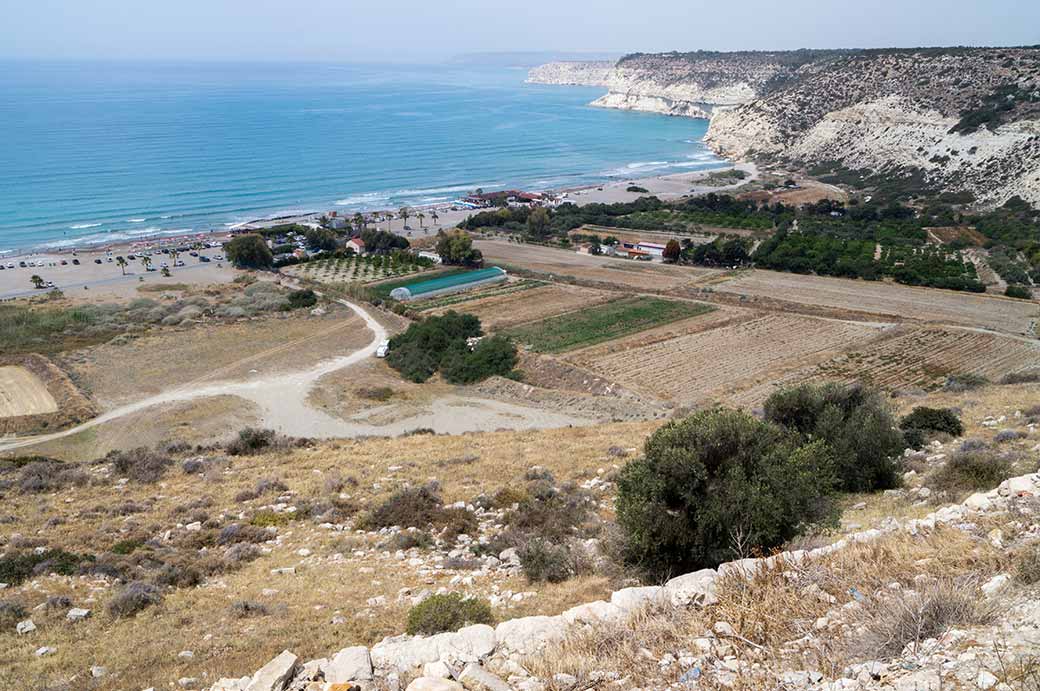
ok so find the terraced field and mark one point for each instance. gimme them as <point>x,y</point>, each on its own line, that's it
<point>717,362</point>
<point>501,311</point>
<point>925,304</point>
<point>915,357</point>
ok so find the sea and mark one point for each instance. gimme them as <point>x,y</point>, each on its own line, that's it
<point>104,152</point>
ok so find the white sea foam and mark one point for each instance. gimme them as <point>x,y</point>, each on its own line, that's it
<point>136,220</point>
<point>83,226</point>
<point>360,199</point>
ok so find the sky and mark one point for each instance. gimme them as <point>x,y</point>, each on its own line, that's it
<point>431,30</point>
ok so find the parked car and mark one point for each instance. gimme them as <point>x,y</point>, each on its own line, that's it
<point>98,261</point>
<point>75,262</point>
<point>203,258</point>
<point>383,349</point>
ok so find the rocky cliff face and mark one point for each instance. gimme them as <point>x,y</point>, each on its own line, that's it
<point>952,120</point>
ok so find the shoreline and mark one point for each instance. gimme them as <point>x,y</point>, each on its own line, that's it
<point>449,216</point>
<point>96,271</point>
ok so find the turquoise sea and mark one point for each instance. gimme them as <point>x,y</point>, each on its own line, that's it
<point>102,152</point>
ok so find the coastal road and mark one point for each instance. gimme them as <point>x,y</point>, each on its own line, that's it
<point>282,398</point>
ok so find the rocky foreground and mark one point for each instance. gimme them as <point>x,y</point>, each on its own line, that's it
<point>1001,653</point>
<point>949,120</point>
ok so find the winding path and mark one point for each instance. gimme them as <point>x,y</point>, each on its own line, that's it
<point>271,394</point>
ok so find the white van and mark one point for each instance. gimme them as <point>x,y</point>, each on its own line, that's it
<point>383,349</point>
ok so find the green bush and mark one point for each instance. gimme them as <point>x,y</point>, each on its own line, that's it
<point>302,298</point>
<point>933,420</point>
<point>451,612</point>
<point>717,485</point>
<point>140,464</point>
<point>914,439</point>
<point>964,382</point>
<point>1018,291</point>
<point>493,355</point>
<point>16,567</point>
<point>854,421</point>
<point>543,560</point>
<point>971,471</point>
<point>133,598</point>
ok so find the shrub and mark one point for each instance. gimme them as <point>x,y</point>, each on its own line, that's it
<point>245,609</point>
<point>132,598</point>
<point>1027,564</point>
<point>970,471</point>
<point>964,382</point>
<point>545,561</point>
<point>178,575</point>
<point>719,484</point>
<point>237,533</point>
<point>410,539</point>
<point>126,546</point>
<point>251,441</point>
<point>377,393</point>
<point>414,507</point>
<point>268,518</point>
<point>927,419</point>
<point>854,422</point>
<point>1018,291</point>
<point>494,355</point>
<point>914,438</point>
<point>16,567</point>
<point>299,299</point>
<point>457,521</point>
<point>1006,435</point>
<point>549,512</point>
<point>11,612</point>
<point>909,618</point>
<point>450,612</point>
<point>439,344</point>
<point>140,464</point>
<point>48,475</point>
<point>1030,376</point>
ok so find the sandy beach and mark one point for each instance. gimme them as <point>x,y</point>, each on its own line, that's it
<point>107,278</point>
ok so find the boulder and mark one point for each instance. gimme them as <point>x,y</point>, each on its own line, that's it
<point>593,612</point>
<point>275,674</point>
<point>405,653</point>
<point>434,684</point>
<point>476,678</point>
<point>1024,484</point>
<point>230,684</point>
<point>629,600</point>
<point>996,585</point>
<point>349,664</point>
<point>697,588</point>
<point>528,635</point>
<point>26,626</point>
<point>979,501</point>
<point>745,568</point>
<point>77,614</point>
<point>436,669</point>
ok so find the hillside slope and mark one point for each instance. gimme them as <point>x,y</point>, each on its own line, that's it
<point>957,120</point>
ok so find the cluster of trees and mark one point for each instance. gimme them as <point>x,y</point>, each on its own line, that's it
<point>722,484</point>
<point>382,242</point>
<point>828,255</point>
<point>249,252</point>
<point>456,248</point>
<point>439,344</point>
<point>720,252</point>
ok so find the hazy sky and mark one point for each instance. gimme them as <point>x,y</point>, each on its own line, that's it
<point>379,30</point>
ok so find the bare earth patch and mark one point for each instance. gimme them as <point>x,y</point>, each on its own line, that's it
<point>22,393</point>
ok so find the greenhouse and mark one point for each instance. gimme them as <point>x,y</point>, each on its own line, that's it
<point>444,285</point>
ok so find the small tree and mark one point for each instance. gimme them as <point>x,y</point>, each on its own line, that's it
<point>538,222</point>
<point>37,281</point>
<point>146,262</point>
<point>719,485</point>
<point>249,252</point>
<point>405,213</point>
<point>456,247</point>
<point>672,251</point>
<point>121,262</point>
<point>435,216</point>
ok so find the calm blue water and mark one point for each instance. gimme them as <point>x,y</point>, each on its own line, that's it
<point>99,152</point>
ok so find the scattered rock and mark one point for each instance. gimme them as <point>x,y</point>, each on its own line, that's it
<point>349,664</point>
<point>26,626</point>
<point>273,675</point>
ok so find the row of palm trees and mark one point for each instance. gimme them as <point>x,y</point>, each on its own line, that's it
<point>360,221</point>
<point>146,262</point>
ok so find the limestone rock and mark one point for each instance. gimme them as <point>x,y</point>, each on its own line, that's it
<point>349,664</point>
<point>527,635</point>
<point>592,612</point>
<point>697,588</point>
<point>77,614</point>
<point>275,674</point>
<point>406,653</point>
<point>434,684</point>
<point>476,678</point>
<point>26,626</point>
<point>630,599</point>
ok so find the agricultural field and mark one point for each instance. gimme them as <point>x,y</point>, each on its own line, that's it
<point>22,393</point>
<point>622,273</point>
<point>602,323</point>
<point>357,269</point>
<point>503,309</point>
<point>458,301</point>
<point>715,363</point>
<point>901,302</point>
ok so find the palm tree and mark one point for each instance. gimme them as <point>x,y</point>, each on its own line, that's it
<point>405,213</point>
<point>165,271</point>
<point>388,217</point>
<point>37,281</point>
<point>360,221</point>
<point>146,261</point>
<point>122,264</point>
<point>434,216</point>
<point>421,216</point>
<point>173,258</point>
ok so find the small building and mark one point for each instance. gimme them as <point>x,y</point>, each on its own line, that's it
<point>356,244</point>
<point>432,256</point>
<point>654,249</point>
<point>454,283</point>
